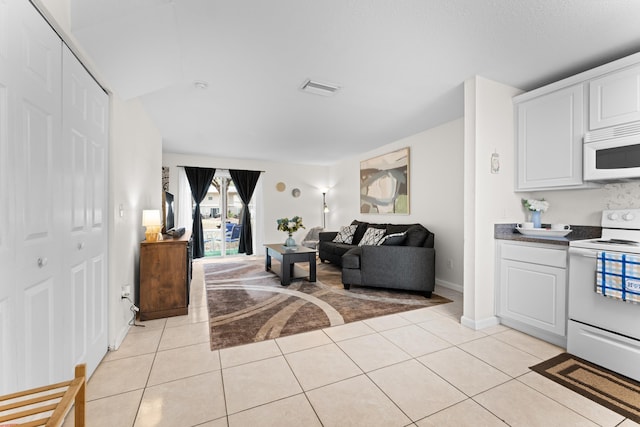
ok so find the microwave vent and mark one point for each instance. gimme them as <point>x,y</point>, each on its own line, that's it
<point>614,132</point>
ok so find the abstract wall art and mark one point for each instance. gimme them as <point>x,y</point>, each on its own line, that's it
<point>384,183</point>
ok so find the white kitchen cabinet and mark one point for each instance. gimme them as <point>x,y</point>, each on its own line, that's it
<point>532,289</point>
<point>549,131</point>
<point>614,99</point>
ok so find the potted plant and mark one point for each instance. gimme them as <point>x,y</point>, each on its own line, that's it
<point>290,226</point>
<point>535,207</point>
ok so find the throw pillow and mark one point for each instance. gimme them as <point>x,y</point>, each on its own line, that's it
<point>345,235</point>
<point>398,228</point>
<point>395,239</point>
<point>372,236</point>
<point>416,236</point>
<point>362,227</point>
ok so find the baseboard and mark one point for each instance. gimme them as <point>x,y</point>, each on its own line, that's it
<point>479,324</point>
<point>120,338</point>
<point>449,285</point>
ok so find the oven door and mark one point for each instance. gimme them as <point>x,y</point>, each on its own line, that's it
<point>588,307</point>
<point>601,330</point>
<point>612,159</point>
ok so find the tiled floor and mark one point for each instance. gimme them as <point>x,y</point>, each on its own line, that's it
<point>419,368</point>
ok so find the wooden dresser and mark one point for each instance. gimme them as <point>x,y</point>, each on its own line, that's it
<point>165,275</point>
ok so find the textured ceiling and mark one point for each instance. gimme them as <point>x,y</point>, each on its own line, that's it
<point>401,64</point>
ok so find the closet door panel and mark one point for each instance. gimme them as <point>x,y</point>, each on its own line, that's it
<point>78,176</point>
<point>79,312</point>
<point>40,342</point>
<point>98,130</point>
<point>98,187</point>
<point>7,355</point>
<point>36,174</point>
<point>85,144</point>
<point>7,253</point>
<point>41,295</point>
<point>97,311</point>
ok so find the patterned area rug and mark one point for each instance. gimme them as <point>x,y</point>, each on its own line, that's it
<point>614,391</point>
<point>247,304</point>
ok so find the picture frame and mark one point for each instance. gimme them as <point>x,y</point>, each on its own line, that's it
<point>384,183</point>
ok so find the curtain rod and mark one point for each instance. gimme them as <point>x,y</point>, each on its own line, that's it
<point>182,166</point>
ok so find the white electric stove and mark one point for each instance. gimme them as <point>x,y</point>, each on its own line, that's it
<point>604,330</point>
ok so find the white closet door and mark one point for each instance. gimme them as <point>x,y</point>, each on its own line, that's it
<point>8,357</point>
<point>85,112</point>
<point>39,317</point>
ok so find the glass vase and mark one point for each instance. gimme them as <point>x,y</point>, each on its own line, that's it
<point>290,241</point>
<point>535,219</point>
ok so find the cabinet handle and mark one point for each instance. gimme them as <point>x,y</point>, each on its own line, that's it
<point>80,246</point>
<point>42,262</point>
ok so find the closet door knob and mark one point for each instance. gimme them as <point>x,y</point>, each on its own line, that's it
<point>80,246</point>
<point>42,262</point>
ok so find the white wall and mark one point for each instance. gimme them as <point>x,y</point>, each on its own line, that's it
<point>309,179</point>
<point>135,183</point>
<point>436,193</point>
<point>488,198</point>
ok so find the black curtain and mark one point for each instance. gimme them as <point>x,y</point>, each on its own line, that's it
<point>199,181</point>
<point>245,182</point>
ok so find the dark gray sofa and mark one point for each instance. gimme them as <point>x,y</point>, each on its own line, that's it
<point>409,265</point>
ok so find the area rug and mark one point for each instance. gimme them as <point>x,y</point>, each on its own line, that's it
<point>614,391</point>
<point>247,304</point>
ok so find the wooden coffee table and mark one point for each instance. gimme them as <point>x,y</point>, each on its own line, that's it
<point>288,256</point>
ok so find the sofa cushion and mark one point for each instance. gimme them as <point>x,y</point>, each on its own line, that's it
<point>351,259</point>
<point>338,249</point>
<point>416,236</point>
<point>372,236</point>
<point>395,239</point>
<point>360,230</point>
<point>398,228</point>
<point>345,235</point>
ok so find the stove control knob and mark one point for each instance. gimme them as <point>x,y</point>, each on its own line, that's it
<point>613,216</point>
<point>628,216</point>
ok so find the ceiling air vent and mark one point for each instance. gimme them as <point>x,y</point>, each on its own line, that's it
<point>324,89</point>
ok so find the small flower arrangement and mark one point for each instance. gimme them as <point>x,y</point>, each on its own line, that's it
<point>535,205</point>
<point>290,225</point>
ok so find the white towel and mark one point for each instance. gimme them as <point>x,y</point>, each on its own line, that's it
<point>618,276</point>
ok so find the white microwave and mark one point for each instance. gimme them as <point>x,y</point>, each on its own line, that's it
<point>612,159</point>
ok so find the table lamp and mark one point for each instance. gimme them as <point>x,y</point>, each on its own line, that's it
<point>151,220</point>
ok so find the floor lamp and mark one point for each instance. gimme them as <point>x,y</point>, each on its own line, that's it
<point>325,209</point>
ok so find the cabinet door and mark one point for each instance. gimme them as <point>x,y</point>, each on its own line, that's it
<point>614,99</point>
<point>163,279</point>
<point>533,294</point>
<point>549,140</point>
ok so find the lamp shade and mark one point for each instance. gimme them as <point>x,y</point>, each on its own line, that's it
<point>151,217</point>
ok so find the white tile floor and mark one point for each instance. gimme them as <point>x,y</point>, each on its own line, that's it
<point>419,368</point>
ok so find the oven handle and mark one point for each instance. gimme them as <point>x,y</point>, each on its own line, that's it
<point>587,253</point>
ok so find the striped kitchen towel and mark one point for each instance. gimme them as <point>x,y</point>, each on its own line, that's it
<point>618,276</point>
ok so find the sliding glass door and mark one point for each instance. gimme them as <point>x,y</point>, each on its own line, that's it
<point>220,212</point>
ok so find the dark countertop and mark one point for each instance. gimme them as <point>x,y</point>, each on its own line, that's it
<point>579,232</point>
